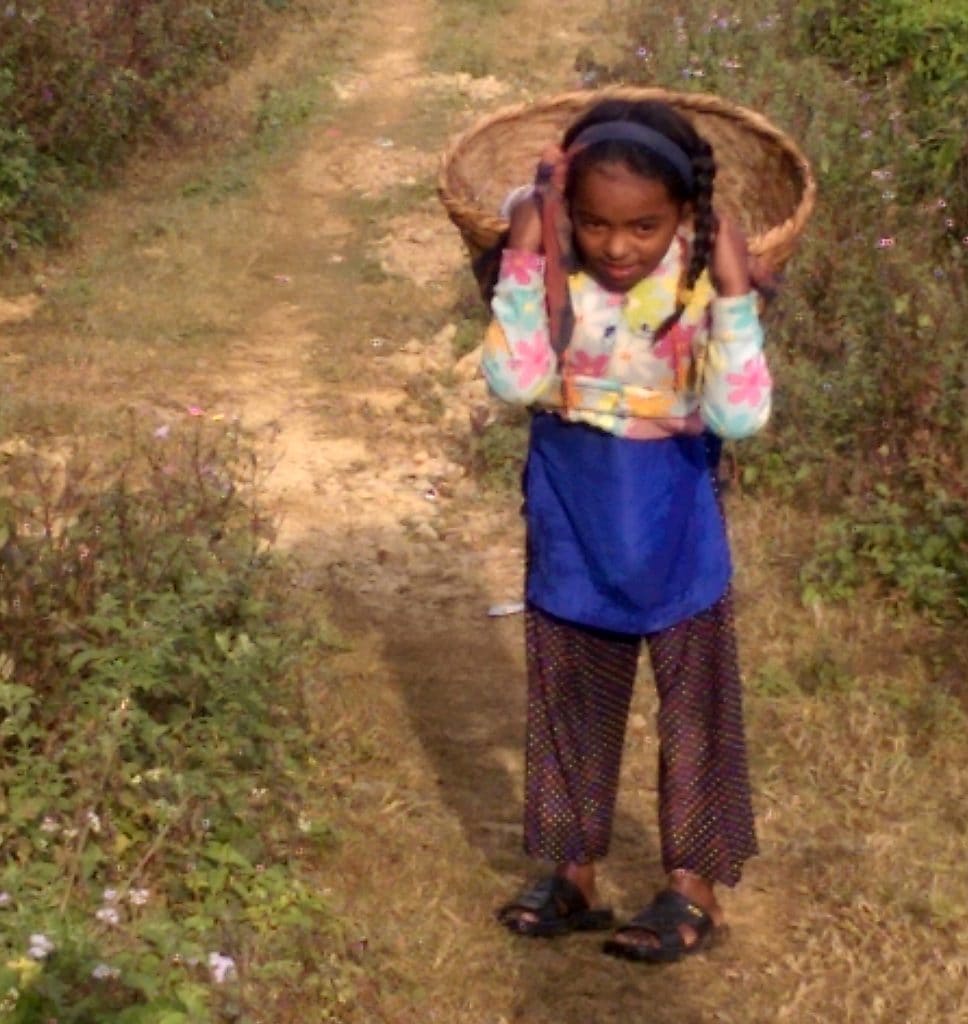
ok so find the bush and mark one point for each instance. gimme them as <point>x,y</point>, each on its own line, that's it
<point>153,743</point>
<point>80,82</point>
<point>921,51</point>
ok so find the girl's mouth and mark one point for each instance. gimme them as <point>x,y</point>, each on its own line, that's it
<point>620,272</point>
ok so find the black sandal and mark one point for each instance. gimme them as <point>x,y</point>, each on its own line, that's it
<point>663,918</point>
<point>558,906</point>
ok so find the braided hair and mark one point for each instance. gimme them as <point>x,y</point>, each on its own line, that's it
<point>664,119</point>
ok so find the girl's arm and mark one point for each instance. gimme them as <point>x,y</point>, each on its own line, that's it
<point>518,361</point>
<point>737,389</point>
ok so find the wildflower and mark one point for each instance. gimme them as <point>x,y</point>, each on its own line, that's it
<point>866,133</point>
<point>304,823</point>
<point>643,53</point>
<point>732,65</point>
<point>221,967</point>
<point>949,223</point>
<point>5,899</point>
<point>139,897</point>
<point>162,432</point>
<point>103,972</point>
<point>110,896</point>
<point>941,204</point>
<point>108,915</point>
<point>887,195</point>
<point>49,825</point>
<point>40,946</point>
<point>94,822</point>
<point>887,242</point>
<point>883,174</point>
<point>195,410</point>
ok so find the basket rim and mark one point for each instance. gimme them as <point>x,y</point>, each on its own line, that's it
<point>778,237</point>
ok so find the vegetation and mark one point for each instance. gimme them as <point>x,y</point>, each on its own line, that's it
<point>156,814</point>
<point>82,83</point>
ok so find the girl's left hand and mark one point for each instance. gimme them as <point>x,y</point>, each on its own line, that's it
<point>733,269</point>
<point>731,259</point>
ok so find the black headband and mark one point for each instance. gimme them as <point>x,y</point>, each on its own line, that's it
<point>649,138</point>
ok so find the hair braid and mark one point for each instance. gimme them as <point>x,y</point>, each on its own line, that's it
<point>704,232</point>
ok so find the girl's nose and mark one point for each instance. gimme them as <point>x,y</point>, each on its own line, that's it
<point>616,246</point>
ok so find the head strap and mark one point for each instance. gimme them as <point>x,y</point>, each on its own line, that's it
<point>642,135</point>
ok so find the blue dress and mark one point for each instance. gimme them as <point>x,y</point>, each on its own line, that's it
<point>623,535</point>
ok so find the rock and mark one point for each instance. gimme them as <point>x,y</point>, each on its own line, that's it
<point>425,531</point>
<point>468,367</point>
<point>445,335</point>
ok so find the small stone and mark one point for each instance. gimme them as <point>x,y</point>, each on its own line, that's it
<point>424,531</point>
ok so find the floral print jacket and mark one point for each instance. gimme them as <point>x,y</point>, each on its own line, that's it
<point>708,371</point>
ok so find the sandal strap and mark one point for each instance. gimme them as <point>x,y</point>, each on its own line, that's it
<point>667,913</point>
<point>549,898</point>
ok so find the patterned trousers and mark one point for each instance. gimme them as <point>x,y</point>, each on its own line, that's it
<point>579,689</point>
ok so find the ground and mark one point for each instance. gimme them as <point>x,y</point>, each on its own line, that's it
<point>329,286</point>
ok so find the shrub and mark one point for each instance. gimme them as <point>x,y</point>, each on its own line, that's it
<point>152,743</point>
<point>80,82</point>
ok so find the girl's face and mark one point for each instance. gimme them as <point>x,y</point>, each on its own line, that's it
<point>624,224</point>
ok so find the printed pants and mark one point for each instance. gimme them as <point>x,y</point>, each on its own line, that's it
<point>579,689</point>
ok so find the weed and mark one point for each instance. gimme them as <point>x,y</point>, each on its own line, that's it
<point>497,452</point>
<point>456,47</point>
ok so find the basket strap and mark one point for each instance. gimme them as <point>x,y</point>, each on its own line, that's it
<point>556,240</point>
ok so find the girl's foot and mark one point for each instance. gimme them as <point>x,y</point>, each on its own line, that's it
<point>562,903</point>
<point>678,922</point>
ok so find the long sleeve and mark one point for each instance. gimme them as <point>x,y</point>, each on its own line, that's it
<point>736,390</point>
<point>518,362</point>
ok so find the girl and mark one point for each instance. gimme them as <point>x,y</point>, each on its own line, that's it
<point>623,315</point>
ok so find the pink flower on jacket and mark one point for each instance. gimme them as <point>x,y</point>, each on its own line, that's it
<point>583,365</point>
<point>531,360</point>
<point>748,387</point>
<point>675,345</point>
<point>519,264</point>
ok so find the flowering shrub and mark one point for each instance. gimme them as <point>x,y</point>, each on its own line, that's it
<point>152,742</point>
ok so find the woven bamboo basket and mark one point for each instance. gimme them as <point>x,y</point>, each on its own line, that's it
<point>763,180</point>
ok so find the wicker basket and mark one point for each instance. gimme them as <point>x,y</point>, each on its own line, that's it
<point>762,180</point>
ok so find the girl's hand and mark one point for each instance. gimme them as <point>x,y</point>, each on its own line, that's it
<point>525,217</point>
<point>525,226</point>
<point>731,260</point>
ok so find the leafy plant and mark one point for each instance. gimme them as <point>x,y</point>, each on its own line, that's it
<point>153,743</point>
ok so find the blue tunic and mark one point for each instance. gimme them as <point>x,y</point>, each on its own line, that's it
<point>623,535</point>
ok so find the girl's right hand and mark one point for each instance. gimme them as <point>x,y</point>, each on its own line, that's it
<point>525,226</point>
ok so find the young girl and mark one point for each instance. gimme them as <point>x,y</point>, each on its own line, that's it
<point>623,315</point>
